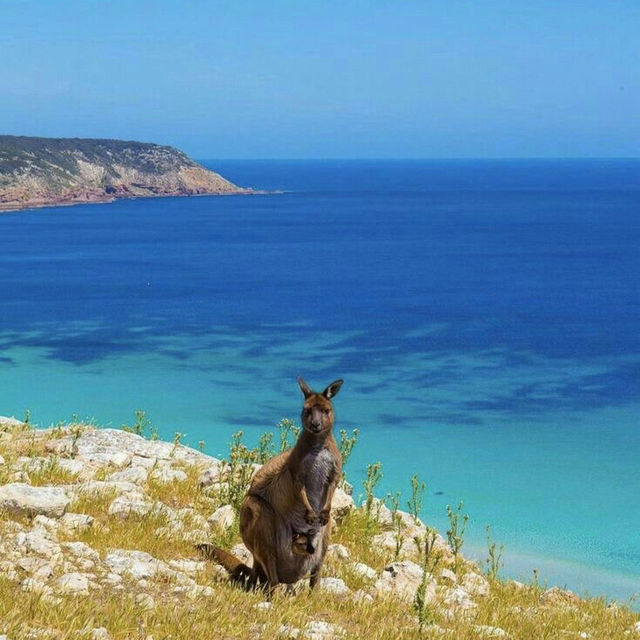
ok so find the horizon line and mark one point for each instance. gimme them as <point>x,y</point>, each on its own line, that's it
<point>409,158</point>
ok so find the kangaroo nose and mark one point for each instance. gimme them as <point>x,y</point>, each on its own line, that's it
<point>315,425</point>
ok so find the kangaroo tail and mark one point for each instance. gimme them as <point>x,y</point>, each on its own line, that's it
<point>238,571</point>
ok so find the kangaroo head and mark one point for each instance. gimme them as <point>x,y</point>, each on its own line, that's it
<point>317,411</point>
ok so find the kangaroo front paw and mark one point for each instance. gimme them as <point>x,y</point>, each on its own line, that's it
<point>324,516</point>
<point>310,517</point>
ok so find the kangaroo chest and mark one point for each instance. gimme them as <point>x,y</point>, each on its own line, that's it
<point>318,468</point>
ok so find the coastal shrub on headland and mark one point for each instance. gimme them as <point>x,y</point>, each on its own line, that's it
<point>98,535</point>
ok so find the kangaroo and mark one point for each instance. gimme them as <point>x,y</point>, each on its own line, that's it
<point>284,520</point>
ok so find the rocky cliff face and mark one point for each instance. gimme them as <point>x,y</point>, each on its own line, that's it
<point>50,171</point>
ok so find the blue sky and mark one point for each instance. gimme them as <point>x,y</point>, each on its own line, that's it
<point>325,78</point>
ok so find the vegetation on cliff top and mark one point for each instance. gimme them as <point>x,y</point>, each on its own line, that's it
<point>61,154</point>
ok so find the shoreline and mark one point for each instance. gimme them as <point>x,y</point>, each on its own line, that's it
<point>566,574</point>
<point>38,204</point>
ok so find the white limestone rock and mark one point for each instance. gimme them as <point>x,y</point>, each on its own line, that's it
<point>337,552</point>
<point>136,564</point>
<point>106,487</point>
<point>448,577</point>
<point>136,475</point>
<point>25,499</point>
<point>37,542</point>
<point>145,601</point>
<point>401,580</point>
<point>36,586</point>
<point>223,517</point>
<point>81,550</point>
<point>49,525</point>
<point>134,503</point>
<point>167,476</point>
<point>459,599</point>
<point>364,570</point>
<point>9,424</point>
<point>321,630</point>
<point>334,586</point>
<point>41,569</point>
<point>73,584</point>
<point>341,504</point>
<point>475,584</point>
<point>387,540</point>
<point>284,631</point>
<point>75,522</point>
<point>118,447</point>
<point>74,467</point>
<point>241,552</point>
<point>555,596</point>
<point>212,476</point>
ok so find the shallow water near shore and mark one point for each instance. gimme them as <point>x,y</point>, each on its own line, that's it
<point>483,314</point>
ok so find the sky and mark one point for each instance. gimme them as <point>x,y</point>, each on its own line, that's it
<point>328,78</point>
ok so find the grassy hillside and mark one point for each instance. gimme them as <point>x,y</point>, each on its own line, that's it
<point>98,541</point>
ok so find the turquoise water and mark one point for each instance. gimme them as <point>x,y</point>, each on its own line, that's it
<point>483,315</point>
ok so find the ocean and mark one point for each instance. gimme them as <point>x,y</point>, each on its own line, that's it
<point>484,315</point>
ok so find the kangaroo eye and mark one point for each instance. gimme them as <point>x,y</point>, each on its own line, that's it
<point>326,412</point>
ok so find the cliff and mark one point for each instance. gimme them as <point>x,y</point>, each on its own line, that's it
<point>98,529</point>
<point>53,171</point>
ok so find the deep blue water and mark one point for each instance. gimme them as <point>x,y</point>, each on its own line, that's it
<point>484,316</point>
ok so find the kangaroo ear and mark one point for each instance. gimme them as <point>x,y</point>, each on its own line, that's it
<point>332,389</point>
<point>304,387</point>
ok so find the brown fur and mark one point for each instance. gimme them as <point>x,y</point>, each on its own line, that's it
<point>284,520</point>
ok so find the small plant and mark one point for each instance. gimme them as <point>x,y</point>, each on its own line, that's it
<point>429,561</point>
<point>347,442</point>
<point>536,580</point>
<point>76,432</point>
<point>417,494</point>
<point>287,428</point>
<point>494,561</point>
<point>141,425</point>
<point>374,475</point>
<point>177,437</point>
<point>455,533</point>
<point>27,418</point>
<point>239,470</point>
<point>266,447</point>
<point>226,536</point>
<point>393,501</point>
<point>201,445</point>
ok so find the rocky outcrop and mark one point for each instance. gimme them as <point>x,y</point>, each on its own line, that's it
<point>51,171</point>
<point>23,498</point>
<point>56,553</point>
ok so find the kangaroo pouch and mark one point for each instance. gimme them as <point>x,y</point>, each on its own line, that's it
<point>293,567</point>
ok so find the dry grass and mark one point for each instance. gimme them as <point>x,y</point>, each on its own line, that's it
<point>230,613</point>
